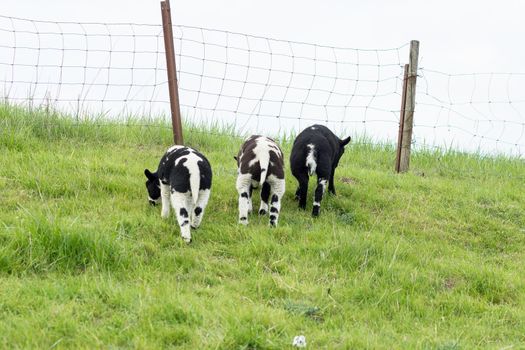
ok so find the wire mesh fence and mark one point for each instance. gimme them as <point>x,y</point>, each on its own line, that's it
<point>253,84</point>
<point>477,112</point>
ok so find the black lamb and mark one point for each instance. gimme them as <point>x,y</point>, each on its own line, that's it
<point>316,150</point>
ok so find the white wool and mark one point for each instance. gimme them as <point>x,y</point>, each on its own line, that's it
<point>262,149</point>
<point>311,162</point>
<point>193,168</point>
<point>165,196</point>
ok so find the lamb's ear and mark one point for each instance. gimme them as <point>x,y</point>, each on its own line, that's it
<point>149,175</point>
<point>235,157</point>
<point>345,141</point>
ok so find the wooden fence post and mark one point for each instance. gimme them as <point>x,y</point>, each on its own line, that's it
<point>172,72</point>
<point>401,118</point>
<point>408,118</point>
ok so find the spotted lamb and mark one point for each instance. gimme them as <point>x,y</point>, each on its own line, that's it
<point>260,163</point>
<point>183,179</point>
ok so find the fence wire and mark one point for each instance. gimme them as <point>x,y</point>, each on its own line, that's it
<point>482,112</point>
<point>252,84</point>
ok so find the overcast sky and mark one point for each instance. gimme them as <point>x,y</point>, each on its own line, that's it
<point>455,35</point>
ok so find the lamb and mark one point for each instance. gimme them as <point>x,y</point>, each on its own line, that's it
<point>316,150</point>
<point>260,163</point>
<point>183,178</point>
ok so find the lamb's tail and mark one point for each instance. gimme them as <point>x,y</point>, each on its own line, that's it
<point>195,182</point>
<point>311,162</point>
<point>264,162</point>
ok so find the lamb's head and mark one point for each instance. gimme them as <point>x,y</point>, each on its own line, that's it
<point>153,187</point>
<point>342,144</point>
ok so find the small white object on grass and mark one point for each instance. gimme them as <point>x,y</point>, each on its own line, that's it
<point>299,341</point>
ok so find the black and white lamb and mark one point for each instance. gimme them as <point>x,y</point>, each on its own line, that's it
<point>260,163</point>
<point>316,150</point>
<point>183,179</point>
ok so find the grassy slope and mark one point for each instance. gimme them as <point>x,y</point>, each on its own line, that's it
<point>429,259</point>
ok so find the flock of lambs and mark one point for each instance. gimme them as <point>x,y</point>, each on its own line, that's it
<point>184,176</point>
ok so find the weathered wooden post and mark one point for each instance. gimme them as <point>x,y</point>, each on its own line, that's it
<point>408,118</point>
<point>172,72</point>
<point>401,118</point>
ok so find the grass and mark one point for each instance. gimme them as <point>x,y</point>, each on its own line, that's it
<point>432,259</point>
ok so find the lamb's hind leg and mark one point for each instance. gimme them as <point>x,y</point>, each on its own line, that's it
<point>318,197</point>
<point>250,200</point>
<point>302,190</point>
<point>277,189</point>
<point>165,197</point>
<point>243,188</point>
<point>200,206</point>
<point>265,196</point>
<point>331,186</point>
<point>182,205</point>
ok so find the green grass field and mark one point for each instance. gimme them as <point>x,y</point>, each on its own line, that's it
<point>432,259</point>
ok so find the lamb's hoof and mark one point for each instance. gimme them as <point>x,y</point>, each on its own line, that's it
<point>243,221</point>
<point>315,211</point>
<point>262,212</point>
<point>273,220</point>
<point>187,239</point>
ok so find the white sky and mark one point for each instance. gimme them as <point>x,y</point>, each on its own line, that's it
<point>460,36</point>
<point>455,35</point>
